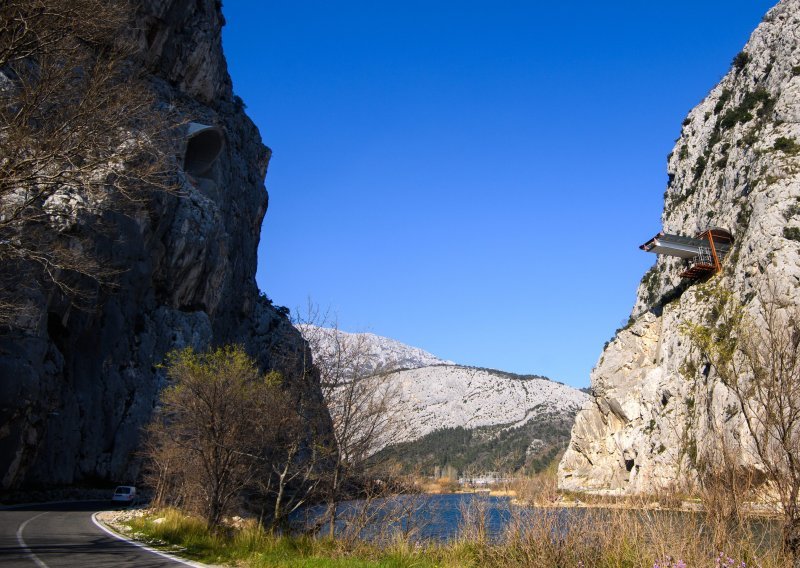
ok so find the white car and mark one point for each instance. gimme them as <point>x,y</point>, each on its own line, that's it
<point>124,494</point>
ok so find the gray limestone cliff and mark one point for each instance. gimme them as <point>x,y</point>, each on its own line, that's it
<point>735,167</point>
<point>77,386</point>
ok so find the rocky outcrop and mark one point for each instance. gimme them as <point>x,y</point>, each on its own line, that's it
<point>77,386</point>
<point>654,415</point>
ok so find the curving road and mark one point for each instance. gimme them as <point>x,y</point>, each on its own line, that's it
<point>64,535</point>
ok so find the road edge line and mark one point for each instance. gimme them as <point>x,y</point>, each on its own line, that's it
<point>27,549</point>
<point>108,530</point>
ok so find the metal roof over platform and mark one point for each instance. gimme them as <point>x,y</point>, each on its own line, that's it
<point>674,245</point>
<point>702,253</point>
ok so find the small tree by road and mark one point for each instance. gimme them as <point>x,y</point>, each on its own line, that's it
<point>757,356</point>
<point>213,434</point>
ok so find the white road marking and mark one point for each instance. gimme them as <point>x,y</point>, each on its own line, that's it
<point>116,535</point>
<point>24,546</point>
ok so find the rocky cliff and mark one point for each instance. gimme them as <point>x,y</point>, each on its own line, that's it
<point>77,385</point>
<point>735,166</point>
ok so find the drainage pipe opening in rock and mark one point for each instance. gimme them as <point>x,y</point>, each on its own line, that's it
<point>203,147</point>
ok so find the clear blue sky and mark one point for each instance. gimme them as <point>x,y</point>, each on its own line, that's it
<point>473,178</point>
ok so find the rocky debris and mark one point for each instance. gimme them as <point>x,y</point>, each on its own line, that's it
<point>735,166</point>
<point>77,386</point>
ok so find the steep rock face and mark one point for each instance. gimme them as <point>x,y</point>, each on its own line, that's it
<point>735,166</point>
<point>78,386</point>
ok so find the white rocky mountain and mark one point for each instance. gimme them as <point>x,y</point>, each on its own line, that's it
<point>380,353</point>
<point>434,395</point>
<point>451,396</point>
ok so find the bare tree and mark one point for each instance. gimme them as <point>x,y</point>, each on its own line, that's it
<point>80,135</point>
<point>363,407</point>
<point>293,460</point>
<point>757,356</point>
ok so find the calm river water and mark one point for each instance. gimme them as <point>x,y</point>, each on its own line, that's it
<point>442,517</point>
<point>423,517</point>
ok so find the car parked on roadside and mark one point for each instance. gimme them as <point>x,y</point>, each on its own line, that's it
<point>124,494</point>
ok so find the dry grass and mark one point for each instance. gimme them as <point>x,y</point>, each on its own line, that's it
<point>532,538</point>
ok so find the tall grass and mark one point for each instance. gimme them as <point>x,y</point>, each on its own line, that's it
<point>532,537</point>
<point>596,538</point>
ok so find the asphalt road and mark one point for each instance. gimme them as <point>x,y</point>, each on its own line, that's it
<point>63,535</point>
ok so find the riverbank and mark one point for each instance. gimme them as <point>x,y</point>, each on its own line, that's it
<point>532,538</point>
<point>449,487</point>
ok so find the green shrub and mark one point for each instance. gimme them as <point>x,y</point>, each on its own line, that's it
<point>724,97</point>
<point>715,137</point>
<point>652,283</point>
<point>734,117</point>
<point>791,233</point>
<point>786,145</point>
<point>679,198</point>
<point>743,217</point>
<point>793,210</point>
<point>748,139</point>
<point>743,113</point>
<point>684,153</point>
<point>795,70</point>
<point>767,103</point>
<point>699,167</point>
<point>742,58</point>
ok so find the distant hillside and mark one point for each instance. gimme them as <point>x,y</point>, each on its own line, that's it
<point>473,419</point>
<point>452,396</point>
<point>528,448</point>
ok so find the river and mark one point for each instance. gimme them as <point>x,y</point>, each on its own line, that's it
<point>446,517</point>
<point>419,517</point>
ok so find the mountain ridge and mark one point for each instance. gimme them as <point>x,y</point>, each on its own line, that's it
<point>486,412</point>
